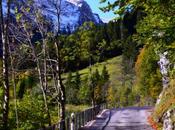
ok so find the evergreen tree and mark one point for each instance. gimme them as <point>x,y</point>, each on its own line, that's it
<point>70,91</point>
<point>84,93</point>
<point>73,85</point>
<point>97,87</point>
<point>105,74</point>
<point>96,76</point>
<point>91,85</point>
<point>77,80</point>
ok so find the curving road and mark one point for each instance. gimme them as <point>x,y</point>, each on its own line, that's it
<point>131,118</point>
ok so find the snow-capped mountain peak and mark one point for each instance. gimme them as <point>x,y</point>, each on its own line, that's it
<point>78,3</point>
<point>73,13</point>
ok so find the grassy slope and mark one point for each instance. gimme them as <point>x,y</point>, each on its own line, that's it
<point>113,66</point>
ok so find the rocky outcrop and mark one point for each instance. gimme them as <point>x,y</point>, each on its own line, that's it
<point>164,67</point>
<point>167,120</point>
<point>87,15</point>
<point>164,106</point>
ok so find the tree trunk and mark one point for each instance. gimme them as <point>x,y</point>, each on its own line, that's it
<point>4,35</point>
<point>43,90</point>
<point>45,84</point>
<point>60,86</point>
<point>14,87</point>
<point>121,4</point>
<point>45,66</point>
<point>43,76</point>
<point>40,76</point>
<point>121,22</point>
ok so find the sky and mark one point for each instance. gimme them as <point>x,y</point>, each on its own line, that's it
<point>95,4</point>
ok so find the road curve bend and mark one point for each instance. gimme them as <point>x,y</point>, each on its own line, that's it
<point>130,118</point>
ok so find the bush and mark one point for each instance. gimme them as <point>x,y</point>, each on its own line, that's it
<point>148,77</point>
<point>31,114</point>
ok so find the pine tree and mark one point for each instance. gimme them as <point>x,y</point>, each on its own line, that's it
<point>96,76</point>
<point>105,74</point>
<point>77,80</point>
<point>97,87</point>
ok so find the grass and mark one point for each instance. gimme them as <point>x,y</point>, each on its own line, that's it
<point>69,109</point>
<point>76,108</point>
<point>167,102</point>
<point>113,66</point>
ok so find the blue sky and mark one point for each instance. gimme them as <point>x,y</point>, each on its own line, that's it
<point>94,4</point>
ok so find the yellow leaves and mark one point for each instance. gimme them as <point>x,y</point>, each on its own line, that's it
<point>148,77</point>
<point>167,100</point>
<point>98,92</point>
<point>18,17</point>
<point>139,60</point>
<point>25,74</point>
<point>172,46</point>
<point>153,92</point>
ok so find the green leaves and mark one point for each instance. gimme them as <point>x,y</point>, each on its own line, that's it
<point>18,17</point>
<point>26,82</point>
<point>102,1</point>
<point>148,74</point>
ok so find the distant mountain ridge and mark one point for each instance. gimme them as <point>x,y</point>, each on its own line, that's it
<point>72,15</point>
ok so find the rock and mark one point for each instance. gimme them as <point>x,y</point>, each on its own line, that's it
<point>167,121</point>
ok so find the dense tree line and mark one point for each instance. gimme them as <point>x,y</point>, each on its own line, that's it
<point>34,59</point>
<point>150,37</point>
<point>89,44</point>
<point>87,90</point>
<point>34,93</point>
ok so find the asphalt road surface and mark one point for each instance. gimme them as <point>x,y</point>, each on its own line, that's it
<point>131,118</point>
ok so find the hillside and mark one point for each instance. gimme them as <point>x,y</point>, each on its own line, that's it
<point>113,66</point>
<point>58,57</point>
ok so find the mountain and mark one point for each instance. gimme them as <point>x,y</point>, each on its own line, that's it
<point>73,13</point>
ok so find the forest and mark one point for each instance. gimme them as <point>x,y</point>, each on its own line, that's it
<point>47,74</point>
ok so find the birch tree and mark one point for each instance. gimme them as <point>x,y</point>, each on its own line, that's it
<point>5,41</point>
<point>23,16</point>
<point>57,5</point>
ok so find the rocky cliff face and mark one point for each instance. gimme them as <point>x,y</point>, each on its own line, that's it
<point>167,120</point>
<point>164,109</point>
<point>73,13</point>
<point>164,67</point>
<point>87,15</point>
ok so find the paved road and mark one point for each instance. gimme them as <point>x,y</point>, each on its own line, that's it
<point>132,118</point>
